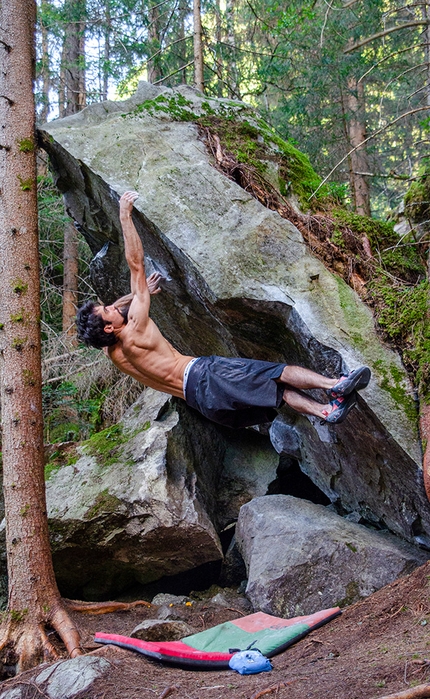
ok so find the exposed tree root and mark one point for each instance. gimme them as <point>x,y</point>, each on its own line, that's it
<point>24,641</point>
<point>422,691</point>
<point>103,607</point>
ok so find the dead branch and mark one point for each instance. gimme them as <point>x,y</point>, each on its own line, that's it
<point>276,687</point>
<point>422,691</point>
<point>103,607</point>
<point>359,44</point>
<point>168,690</point>
<point>269,690</point>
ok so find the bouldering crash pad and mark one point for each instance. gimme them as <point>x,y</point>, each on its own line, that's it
<point>214,647</point>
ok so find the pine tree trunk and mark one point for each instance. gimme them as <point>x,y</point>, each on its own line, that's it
<point>357,134</point>
<point>154,70</point>
<point>106,50</point>
<point>45,64</point>
<point>198,47</point>
<point>70,281</point>
<point>218,49</point>
<point>231,40</point>
<point>34,599</point>
<point>73,57</point>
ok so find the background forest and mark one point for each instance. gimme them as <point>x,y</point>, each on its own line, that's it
<point>347,82</point>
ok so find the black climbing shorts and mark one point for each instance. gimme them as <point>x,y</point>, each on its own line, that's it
<point>235,392</point>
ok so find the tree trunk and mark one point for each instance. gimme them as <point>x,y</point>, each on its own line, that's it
<point>357,134</point>
<point>198,47</point>
<point>231,40</point>
<point>34,600</point>
<point>45,63</point>
<point>154,69</point>
<point>106,51</point>
<point>218,48</point>
<point>73,57</point>
<point>183,11</point>
<point>70,281</point>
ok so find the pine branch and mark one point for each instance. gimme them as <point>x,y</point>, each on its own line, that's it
<point>157,82</point>
<point>379,35</point>
<point>395,53</point>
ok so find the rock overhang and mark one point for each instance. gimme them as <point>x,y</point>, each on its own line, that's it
<point>239,272</point>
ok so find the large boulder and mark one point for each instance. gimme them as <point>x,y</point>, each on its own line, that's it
<point>137,504</point>
<point>301,557</point>
<point>241,282</point>
<point>147,497</point>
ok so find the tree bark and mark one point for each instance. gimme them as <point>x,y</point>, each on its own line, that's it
<point>106,50</point>
<point>45,63</point>
<point>70,281</point>
<point>198,47</point>
<point>34,600</point>
<point>231,40</point>
<point>154,69</point>
<point>357,134</point>
<point>73,57</point>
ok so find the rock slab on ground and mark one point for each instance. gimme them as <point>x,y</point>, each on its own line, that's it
<point>301,557</point>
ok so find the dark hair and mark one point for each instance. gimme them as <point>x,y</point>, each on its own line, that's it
<point>91,327</point>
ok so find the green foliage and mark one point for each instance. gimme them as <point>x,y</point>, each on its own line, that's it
<point>402,312</point>
<point>417,198</point>
<point>68,417</point>
<point>58,459</point>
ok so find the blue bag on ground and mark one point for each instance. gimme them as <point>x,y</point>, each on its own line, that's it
<point>249,662</point>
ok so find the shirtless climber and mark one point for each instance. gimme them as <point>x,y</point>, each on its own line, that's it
<point>235,392</point>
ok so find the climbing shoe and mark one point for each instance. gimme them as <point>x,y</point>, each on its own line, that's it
<point>355,381</point>
<point>340,407</point>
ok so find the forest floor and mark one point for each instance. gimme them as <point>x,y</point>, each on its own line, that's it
<point>378,646</point>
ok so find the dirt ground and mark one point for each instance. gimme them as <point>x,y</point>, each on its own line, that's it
<point>378,646</point>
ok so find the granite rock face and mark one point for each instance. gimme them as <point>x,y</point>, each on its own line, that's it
<point>240,281</point>
<point>302,557</point>
<point>140,510</point>
<point>147,497</point>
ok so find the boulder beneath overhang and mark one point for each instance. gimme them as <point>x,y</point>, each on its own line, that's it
<point>301,557</point>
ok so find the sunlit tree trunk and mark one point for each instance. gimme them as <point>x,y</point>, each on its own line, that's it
<point>183,11</point>
<point>198,47</point>
<point>218,48</point>
<point>34,601</point>
<point>70,281</point>
<point>154,64</point>
<point>73,57</point>
<point>45,63</point>
<point>357,134</point>
<point>231,40</point>
<point>106,51</point>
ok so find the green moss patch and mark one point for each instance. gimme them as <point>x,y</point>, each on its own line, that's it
<point>64,455</point>
<point>105,503</point>
<point>106,446</point>
<point>417,199</point>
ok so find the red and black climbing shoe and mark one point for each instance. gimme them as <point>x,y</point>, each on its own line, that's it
<point>355,381</point>
<point>340,407</point>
